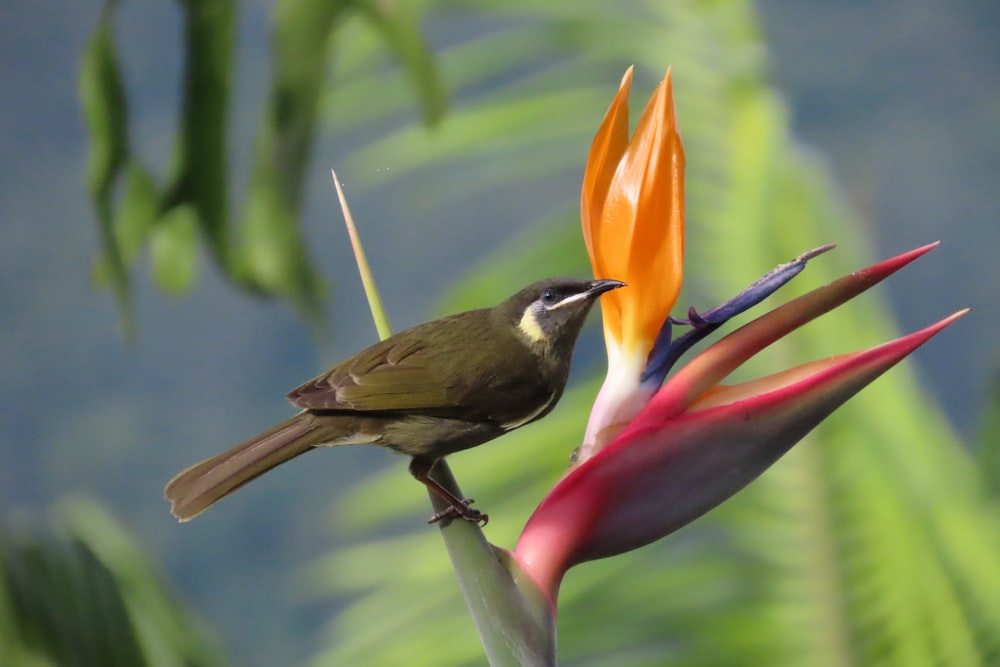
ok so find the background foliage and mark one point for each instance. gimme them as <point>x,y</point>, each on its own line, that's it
<point>76,591</point>
<point>872,543</point>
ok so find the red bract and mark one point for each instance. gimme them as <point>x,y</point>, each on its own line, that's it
<point>697,442</point>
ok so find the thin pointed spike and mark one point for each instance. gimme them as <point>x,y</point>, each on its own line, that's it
<point>367,279</point>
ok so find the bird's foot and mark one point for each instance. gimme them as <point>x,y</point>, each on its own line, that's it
<point>462,510</point>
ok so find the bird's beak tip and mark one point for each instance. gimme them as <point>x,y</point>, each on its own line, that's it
<point>599,287</point>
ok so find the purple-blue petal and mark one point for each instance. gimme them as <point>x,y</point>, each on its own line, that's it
<point>666,351</point>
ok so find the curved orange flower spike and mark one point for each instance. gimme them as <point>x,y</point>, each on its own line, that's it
<point>632,208</point>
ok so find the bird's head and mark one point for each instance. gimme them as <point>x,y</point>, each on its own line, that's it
<point>549,314</point>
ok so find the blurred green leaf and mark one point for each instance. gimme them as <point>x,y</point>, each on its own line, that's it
<point>105,112</point>
<point>68,605</point>
<point>273,256</point>
<point>399,26</point>
<point>102,96</point>
<point>265,252</point>
<point>77,593</point>
<point>136,212</point>
<point>989,438</point>
<point>173,248</point>
<point>200,176</point>
<point>132,220</point>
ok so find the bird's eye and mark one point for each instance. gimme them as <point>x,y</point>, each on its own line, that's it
<point>549,296</point>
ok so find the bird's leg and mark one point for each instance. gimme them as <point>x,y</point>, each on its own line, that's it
<point>420,468</point>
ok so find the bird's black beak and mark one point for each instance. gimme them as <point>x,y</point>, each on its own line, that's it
<point>599,287</point>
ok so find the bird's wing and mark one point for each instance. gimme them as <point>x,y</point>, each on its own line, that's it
<point>401,373</point>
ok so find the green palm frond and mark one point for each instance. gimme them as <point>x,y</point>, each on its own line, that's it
<point>873,543</point>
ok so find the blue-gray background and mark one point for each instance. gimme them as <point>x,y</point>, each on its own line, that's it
<point>903,99</point>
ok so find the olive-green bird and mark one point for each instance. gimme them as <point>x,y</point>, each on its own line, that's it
<point>429,391</point>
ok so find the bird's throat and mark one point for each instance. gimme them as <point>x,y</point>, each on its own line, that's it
<point>530,328</point>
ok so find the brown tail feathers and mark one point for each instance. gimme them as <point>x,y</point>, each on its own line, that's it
<point>199,487</point>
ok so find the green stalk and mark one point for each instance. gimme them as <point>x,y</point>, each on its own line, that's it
<point>514,617</point>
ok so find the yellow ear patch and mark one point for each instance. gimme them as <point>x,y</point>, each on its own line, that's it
<point>529,326</point>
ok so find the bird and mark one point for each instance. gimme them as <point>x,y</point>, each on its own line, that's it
<point>429,391</point>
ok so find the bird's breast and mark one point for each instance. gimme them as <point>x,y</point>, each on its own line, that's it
<point>542,409</point>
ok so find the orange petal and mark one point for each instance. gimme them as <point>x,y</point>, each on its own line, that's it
<point>641,238</point>
<point>605,153</point>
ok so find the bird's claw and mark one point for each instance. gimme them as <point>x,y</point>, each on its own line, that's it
<point>462,510</point>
